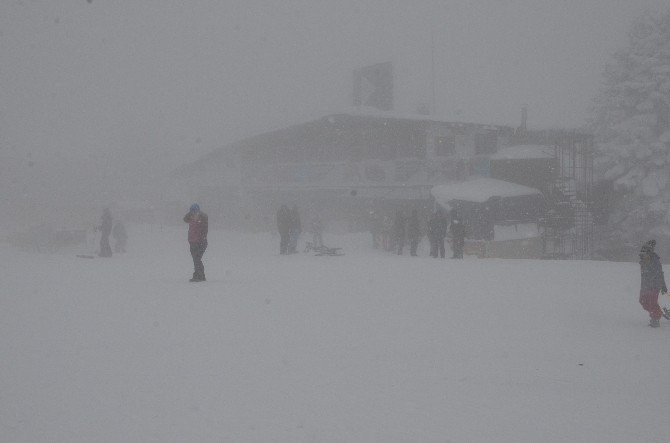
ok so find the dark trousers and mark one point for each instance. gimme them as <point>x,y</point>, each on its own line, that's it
<point>457,246</point>
<point>437,245</point>
<point>197,251</point>
<point>413,245</point>
<point>283,243</point>
<point>120,245</point>
<point>105,248</point>
<point>400,244</point>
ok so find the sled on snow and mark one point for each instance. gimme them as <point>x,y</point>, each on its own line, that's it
<point>322,250</point>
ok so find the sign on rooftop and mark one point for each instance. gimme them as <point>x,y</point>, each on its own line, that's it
<point>373,86</point>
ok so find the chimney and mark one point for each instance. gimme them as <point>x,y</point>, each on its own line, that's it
<point>524,118</point>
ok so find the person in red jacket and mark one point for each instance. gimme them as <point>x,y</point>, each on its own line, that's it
<point>197,239</point>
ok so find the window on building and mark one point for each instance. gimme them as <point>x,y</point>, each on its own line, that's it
<point>486,142</point>
<point>445,145</point>
<point>419,143</point>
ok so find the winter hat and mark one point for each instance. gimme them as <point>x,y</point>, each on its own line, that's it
<point>195,207</point>
<point>651,244</point>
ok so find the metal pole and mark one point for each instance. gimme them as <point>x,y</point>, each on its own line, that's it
<point>432,72</point>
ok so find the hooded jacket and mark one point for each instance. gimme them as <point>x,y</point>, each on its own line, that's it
<point>651,272</point>
<point>197,227</point>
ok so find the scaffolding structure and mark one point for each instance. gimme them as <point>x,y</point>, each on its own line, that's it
<point>569,228</point>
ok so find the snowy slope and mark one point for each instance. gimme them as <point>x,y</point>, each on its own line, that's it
<point>364,347</point>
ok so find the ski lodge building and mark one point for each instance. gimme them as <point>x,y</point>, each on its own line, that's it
<point>361,158</point>
<point>347,165</point>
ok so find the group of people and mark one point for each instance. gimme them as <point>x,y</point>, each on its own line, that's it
<point>402,230</point>
<point>652,279</point>
<point>116,230</point>
<point>288,224</point>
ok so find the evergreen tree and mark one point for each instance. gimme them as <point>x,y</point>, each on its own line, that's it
<point>631,121</point>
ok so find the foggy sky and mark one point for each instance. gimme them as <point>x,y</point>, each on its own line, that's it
<point>126,90</point>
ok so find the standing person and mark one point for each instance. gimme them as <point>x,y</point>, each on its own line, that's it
<point>317,231</point>
<point>284,227</point>
<point>294,230</point>
<point>387,233</point>
<point>105,229</point>
<point>652,281</point>
<point>457,230</point>
<point>437,231</point>
<point>120,237</point>
<point>197,239</point>
<point>376,229</point>
<point>413,232</point>
<point>399,231</point>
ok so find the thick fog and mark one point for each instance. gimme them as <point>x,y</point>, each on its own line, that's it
<point>210,232</point>
<point>100,100</point>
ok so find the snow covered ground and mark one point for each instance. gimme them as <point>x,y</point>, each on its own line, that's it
<point>364,347</point>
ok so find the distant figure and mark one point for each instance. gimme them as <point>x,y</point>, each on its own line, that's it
<point>413,232</point>
<point>198,225</point>
<point>120,237</point>
<point>437,231</point>
<point>295,228</point>
<point>317,231</point>
<point>652,281</point>
<point>106,230</point>
<point>376,229</point>
<point>284,227</point>
<point>387,233</point>
<point>457,231</point>
<point>399,231</point>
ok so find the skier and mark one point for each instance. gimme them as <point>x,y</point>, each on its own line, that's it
<point>197,239</point>
<point>413,232</point>
<point>457,230</point>
<point>105,229</point>
<point>652,281</point>
<point>437,231</point>
<point>283,226</point>
<point>120,237</point>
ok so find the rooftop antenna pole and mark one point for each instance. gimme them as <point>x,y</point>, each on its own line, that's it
<point>432,72</point>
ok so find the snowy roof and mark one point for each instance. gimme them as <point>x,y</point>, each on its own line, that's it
<point>479,190</point>
<point>524,152</point>
<point>377,113</point>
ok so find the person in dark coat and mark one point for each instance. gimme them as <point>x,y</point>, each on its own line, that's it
<point>399,231</point>
<point>106,230</point>
<point>317,231</point>
<point>413,232</point>
<point>295,228</point>
<point>283,226</point>
<point>198,225</point>
<point>652,281</point>
<point>437,231</point>
<point>457,231</point>
<point>120,237</point>
<point>376,229</point>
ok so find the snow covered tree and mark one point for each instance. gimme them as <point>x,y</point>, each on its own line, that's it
<point>631,122</point>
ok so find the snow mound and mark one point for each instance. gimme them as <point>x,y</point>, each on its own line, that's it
<point>479,190</point>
